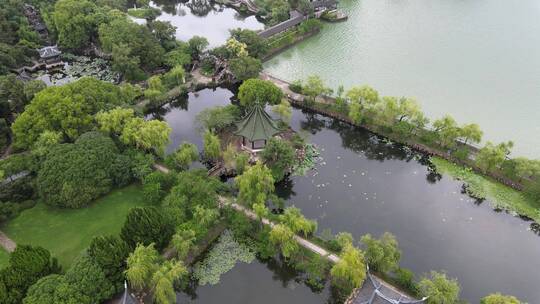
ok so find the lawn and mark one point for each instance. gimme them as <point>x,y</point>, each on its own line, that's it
<point>501,196</point>
<point>4,258</point>
<point>67,232</point>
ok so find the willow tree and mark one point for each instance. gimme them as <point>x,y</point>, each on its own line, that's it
<point>283,237</point>
<point>255,185</point>
<point>212,146</point>
<point>163,281</point>
<point>350,271</point>
<point>497,298</point>
<point>141,265</point>
<point>439,289</point>
<point>382,254</point>
<point>295,220</point>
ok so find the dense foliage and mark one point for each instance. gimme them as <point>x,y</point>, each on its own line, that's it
<point>147,225</point>
<point>67,109</point>
<point>73,175</point>
<point>279,156</point>
<point>439,288</point>
<point>257,91</point>
<point>27,264</point>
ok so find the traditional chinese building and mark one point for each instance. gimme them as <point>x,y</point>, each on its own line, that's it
<point>256,128</point>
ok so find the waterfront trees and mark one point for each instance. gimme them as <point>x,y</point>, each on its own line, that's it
<point>350,271</point>
<point>257,91</point>
<point>212,146</point>
<point>279,156</point>
<point>256,46</point>
<point>245,67</point>
<point>439,289</point>
<point>182,158</point>
<point>492,156</point>
<point>383,254</point>
<point>283,237</point>
<point>314,86</point>
<point>255,185</point>
<point>471,133</point>
<point>295,220</point>
<point>498,298</point>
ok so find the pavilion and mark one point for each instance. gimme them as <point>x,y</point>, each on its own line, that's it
<point>256,128</point>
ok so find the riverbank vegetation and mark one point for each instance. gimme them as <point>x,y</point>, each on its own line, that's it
<point>401,119</point>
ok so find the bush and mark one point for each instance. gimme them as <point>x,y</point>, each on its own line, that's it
<point>110,254</point>
<point>296,86</point>
<point>405,278</point>
<point>73,175</point>
<point>146,225</point>
<point>27,264</point>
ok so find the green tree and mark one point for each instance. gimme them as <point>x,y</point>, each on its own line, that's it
<point>498,298</point>
<point>261,210</point>
<point>44,290</point>
<point>439,289</point>
<point>471,132</point>
<point>493,156</point>
<point>183,157</point>
<point>364,95</point>
<point>73,175</point>
<point>75,22</point>
<point>350,271</point>
<point>151,135</point>
<point>314,86</point>
<point>255,185</point>
<point>295,220</point>
<point>279,156</point>
<point>382,255</point>
<point>177,57</point>
<point>256,45</point>
<point>141,265</point>
<point>27,265</point>
<point>175,77</point>
<point>218,118</point>
<point>32,87</point>
<point>245,67</point>
<point>183,241</point>
<point>236,48</point>
<point>447,131</point>
<point>110,254</point>
<point>164,32</point>
<point>68,109</point>
<point>197,45</point>
<point>257,91</point>
<point>147,225</point>
<point>283,237</point>
<point>212,146</point>
<point>113,121</point>
<point>163,281</point>
<point>284,110</point>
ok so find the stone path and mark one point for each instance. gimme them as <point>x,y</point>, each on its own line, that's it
<point>8,244</point>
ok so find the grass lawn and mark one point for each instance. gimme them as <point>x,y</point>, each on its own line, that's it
<point>67,232</point>
<point>480,186</point>
<point>4,258</point>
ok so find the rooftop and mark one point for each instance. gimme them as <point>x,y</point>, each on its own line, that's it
<point>257,125</point>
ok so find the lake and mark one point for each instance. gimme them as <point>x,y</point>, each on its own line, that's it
<point>365,184</point>
<point>471,59</point>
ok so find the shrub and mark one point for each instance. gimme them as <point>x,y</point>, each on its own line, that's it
<point>147,225</point>
<point>73,175</point>
<point>110,254</point>
<point>27,264</point>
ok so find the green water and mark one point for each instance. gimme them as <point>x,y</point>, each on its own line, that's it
<point>476,60</point>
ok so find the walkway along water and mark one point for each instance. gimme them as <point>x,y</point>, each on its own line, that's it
<point>299,100</point>
<point>357,293</point>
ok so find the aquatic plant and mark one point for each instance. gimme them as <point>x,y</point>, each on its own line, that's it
<point>478,186</point>
<point>222,258</point>
<point>306,160</point>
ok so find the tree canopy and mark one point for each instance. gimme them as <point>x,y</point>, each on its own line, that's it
<point>258,91</point>
<point>68,109</point>
<point>255,185</point>
<point>439,289</point>
<point>382,255</point>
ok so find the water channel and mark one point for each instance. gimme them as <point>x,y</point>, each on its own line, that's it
<point>364,184</point>
<point>471,59</point>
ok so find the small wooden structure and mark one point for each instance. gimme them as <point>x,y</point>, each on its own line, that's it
<point>256,128</point>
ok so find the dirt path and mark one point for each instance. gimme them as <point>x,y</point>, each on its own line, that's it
<point>8,244</point>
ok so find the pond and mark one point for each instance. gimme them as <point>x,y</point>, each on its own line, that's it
<point>204,18</point>
<point>76,67</point>
<point>257,281</point>
<point>469,59</point>
<point>364,184</point>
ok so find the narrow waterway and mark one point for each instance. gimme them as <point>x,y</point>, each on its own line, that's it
<point>471,59</point>
<point>367,185</point>
<point>204,18</point>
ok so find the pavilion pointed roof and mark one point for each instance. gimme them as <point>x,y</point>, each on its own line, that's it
<point>257,125</point>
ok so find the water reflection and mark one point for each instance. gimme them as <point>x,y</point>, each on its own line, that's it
<point>261,282</point>
<point>204,18</point>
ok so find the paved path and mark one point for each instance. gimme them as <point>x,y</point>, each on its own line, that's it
<point>8,244</point>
